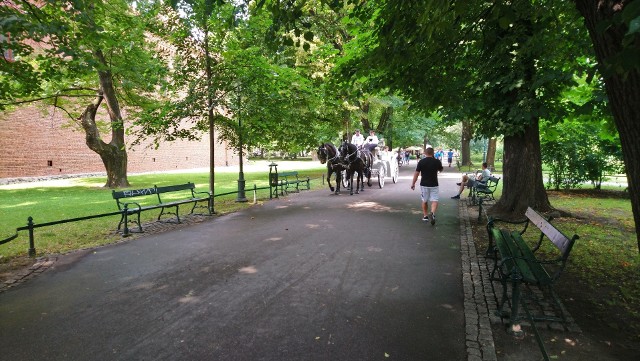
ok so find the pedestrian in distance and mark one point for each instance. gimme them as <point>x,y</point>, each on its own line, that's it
<point>450,157</point>
<point>428,169</point>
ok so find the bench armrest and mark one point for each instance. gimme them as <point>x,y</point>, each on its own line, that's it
<point>126,205</point>
<point>493,221</point>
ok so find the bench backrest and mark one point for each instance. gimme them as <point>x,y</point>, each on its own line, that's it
<point>117,195</point>
<point>562,242</point>
<point>287,174</point>
<point>155,190</point>
<point>175,188</point>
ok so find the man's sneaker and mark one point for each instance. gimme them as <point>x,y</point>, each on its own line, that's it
<point>425,218</point>
<point>433,219</point>
<point>457,196</point>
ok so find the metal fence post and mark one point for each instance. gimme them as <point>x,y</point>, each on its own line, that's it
<point>32,247</point>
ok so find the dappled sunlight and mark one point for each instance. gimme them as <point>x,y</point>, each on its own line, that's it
<point>23,204</point>
<point>312,226</point>
<point>273,239</point>
<point>447,306</point>
<point>248,270</point>
<point>282,207</point>
<point>188,298</point>
<point>374,249</point>
<point>371,206</point>
<point>144,286</point>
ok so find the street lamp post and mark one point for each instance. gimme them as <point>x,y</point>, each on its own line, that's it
<point>241,182</point>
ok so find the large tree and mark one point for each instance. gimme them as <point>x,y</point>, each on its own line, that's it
<point>614,26</point>
<point>69,51</point>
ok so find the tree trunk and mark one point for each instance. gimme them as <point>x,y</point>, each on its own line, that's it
<point>522,184</point>
<point>491,153</point>
<point>113,157</point>
<point>467,134</point>
<point>114,154</point>
<point>623,90</point>
<point>383,124</point>
<point>364,118</point>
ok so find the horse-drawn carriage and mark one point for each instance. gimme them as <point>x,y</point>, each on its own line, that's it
<point>386,165</point>
<point>347,161</point>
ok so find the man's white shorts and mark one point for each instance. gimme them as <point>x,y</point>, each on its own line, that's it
<point>429,194</point>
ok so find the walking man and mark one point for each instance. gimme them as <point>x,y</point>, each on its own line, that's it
<point>428,168</point>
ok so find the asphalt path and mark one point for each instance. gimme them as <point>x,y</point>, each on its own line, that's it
<point>310,276</point>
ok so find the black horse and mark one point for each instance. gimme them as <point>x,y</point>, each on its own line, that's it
<point>328,153</point>
<point>356,160</point>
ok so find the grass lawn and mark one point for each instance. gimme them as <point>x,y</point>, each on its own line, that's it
<point>86,196</point>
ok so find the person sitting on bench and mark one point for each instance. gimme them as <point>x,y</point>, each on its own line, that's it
<point>482,177</point>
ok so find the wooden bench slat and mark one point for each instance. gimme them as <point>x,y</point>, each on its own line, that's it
<point>556,236</point>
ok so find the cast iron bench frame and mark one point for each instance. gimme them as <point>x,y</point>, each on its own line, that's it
<point>516,264</point>
<point>129,202</point>
<point>289,179</point>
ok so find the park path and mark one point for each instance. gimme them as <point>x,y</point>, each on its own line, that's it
<point>310,276</point>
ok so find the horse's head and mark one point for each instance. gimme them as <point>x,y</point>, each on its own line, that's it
<point>322,154</point>
<point>346,150</point>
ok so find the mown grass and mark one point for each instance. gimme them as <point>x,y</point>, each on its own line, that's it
<point>86,196</point>
<point>606,256</point>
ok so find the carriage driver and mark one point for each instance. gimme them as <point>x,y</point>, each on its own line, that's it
<point>357,139</point>
<point>371,143</point>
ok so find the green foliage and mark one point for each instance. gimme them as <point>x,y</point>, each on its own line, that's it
<point>60,50</point>
<point>225,74</point>
<point>576,152</point>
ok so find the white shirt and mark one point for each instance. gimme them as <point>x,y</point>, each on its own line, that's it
<point>372,139</point>
<point>484,176</point>
<point>357,140</point>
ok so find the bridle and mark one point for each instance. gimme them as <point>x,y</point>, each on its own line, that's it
<point>348,157</point>
<point>324,151</point>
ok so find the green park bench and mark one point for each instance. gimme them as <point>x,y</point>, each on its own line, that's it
<point>517,264</point>
<point>291,181</point>
<point>135,201</point>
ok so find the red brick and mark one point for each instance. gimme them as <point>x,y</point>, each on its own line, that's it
<point>37,144</point>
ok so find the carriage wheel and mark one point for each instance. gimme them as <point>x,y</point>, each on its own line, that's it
<point>345,181</point>
<point>381,174</point>
<point>395,175</point>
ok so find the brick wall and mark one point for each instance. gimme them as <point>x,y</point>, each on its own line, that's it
<point>36,144</point>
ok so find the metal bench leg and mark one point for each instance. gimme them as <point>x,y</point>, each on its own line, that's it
<point>514,324</point>
<point>536,333</point>
<point>139,222</point>
<point>500,311</point>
